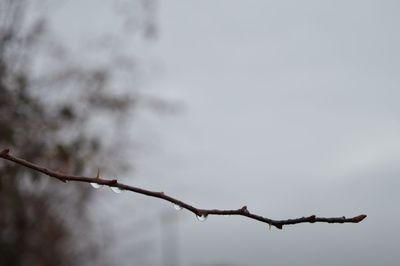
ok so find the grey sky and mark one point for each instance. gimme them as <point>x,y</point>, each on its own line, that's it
<point>291,108</point>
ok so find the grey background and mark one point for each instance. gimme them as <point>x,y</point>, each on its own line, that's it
<point>291,108</point>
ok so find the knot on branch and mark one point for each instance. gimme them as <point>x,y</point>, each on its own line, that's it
<point>112,182</point>
<point>244,210</point>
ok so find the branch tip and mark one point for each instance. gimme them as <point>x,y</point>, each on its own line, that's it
<point>5,151</point>
<point>359,218</point>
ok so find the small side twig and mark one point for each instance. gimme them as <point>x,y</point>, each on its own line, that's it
<point>243,211</point>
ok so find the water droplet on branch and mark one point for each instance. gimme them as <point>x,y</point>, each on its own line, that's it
<point>201,218</point>
<point>116,189</point>
<point>95,185</point>
<point>177,207</point>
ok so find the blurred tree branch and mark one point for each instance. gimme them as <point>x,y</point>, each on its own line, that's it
<point>52,96</point>
<point>201,213</point>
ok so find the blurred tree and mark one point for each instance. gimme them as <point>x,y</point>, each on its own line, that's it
<point>47,109</point>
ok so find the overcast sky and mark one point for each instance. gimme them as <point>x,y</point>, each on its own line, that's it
<point>291,108</point>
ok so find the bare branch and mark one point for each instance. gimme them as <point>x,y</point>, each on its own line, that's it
<point>243,211</point>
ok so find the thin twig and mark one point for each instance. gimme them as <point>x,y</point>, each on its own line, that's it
<point>243,211</point>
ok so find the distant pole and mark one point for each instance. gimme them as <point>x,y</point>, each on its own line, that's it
<point>169,238</point>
